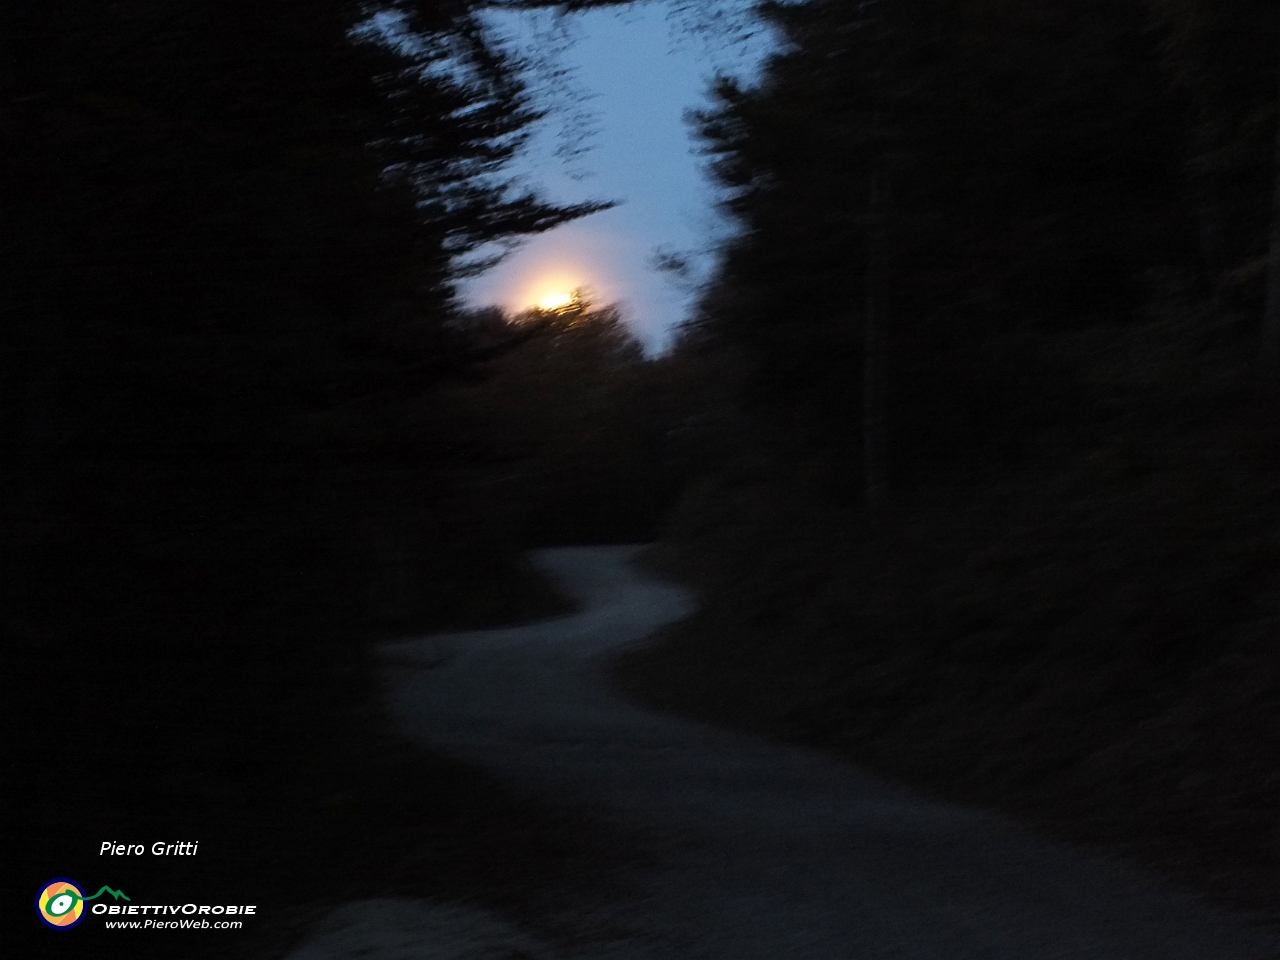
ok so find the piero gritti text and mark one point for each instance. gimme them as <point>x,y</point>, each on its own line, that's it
<point>161,848</point>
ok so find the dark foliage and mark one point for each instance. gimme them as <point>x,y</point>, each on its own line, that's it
<point>573,428</point>
<point>1032,165</point>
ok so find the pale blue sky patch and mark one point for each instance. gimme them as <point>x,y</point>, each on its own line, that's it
<point>617,83</point>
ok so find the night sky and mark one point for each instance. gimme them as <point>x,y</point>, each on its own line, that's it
<point>632,75</point>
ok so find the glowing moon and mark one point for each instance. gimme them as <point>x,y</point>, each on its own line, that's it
<point>555,301</point>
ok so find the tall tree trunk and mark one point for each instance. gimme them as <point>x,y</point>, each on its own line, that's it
<point>874,453</point>
<point>1270,353</point>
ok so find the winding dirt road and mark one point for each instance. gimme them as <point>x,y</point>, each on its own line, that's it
<point>753,851</point>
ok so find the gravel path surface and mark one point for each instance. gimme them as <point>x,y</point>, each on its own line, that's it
<point>751,850</point>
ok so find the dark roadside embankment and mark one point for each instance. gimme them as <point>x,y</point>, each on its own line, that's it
<point>986,418</point>
<point>1087,645</point>
<point>214,683</point>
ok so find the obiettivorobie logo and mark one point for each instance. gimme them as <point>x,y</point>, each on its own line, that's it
<point>60,902</point>
<point>61,905</point>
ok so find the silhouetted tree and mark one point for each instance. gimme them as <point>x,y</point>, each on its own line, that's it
<point>222,213</point>
<point>1032,153</point>
<point>578,419</point>
<point>1224,58</point>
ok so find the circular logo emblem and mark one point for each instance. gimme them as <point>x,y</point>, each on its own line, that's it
<point>61,903</point>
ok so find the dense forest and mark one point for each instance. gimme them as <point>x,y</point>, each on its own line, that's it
<point>990,373</point>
